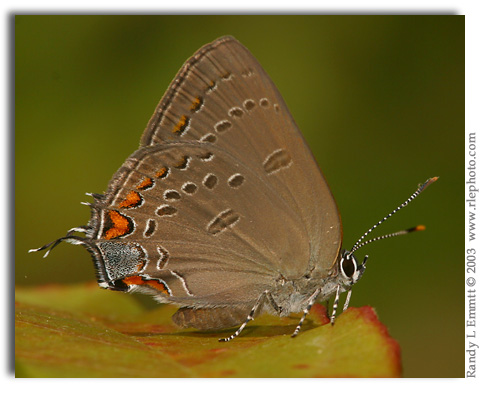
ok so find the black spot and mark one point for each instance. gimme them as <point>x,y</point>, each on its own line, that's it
<point>166,211</point>
<point>235,112</point>
<point>118,285</point>
<point>236,181</point>
<point>277,160</point>
<point>151,225</point>
<point>249,104</point>
<point>209,138</point>
<point>223,221</point>
<point>164,255</point>
<point>189,188</point>
<point>172,194</point>
<point>223,126</point>
<point>210,181</point>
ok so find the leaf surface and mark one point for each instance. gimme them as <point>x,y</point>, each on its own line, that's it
<point>83,331</point>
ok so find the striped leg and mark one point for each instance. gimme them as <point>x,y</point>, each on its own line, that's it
<point>249,318</point>
<point>273,303</point>
<point>311,301</point>
<point>335,305</point>
<point>347,300</point>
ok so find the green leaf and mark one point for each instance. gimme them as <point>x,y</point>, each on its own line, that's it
<point>83,331</point>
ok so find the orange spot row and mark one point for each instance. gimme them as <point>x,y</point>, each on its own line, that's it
<point>182,163</point>
<point>181,125</point>
<point>156,284</point>
<point>162,173</point>
<point>145,184</point>
<point>120,225</point>
<point>211,85</point>
<point>196,104</point>
<point>133,199</point>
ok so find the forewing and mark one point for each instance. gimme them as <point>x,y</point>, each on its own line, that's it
<point>222,96</point>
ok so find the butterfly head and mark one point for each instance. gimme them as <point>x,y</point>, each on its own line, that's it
<point>350,270</point>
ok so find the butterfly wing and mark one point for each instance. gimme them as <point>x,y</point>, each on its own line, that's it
<point>197,214</point>
<point>223,96</point>
<point>223,197</point>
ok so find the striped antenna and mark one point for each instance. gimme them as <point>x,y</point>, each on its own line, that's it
<point>359,243</point>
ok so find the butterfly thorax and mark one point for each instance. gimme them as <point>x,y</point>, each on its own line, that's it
<point>292,296</point>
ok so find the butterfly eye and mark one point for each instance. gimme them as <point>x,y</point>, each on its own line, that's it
<point>349,266</point>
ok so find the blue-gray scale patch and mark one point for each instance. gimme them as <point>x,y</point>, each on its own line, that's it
<point>122,259</point>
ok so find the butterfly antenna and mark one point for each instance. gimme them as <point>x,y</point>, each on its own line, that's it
<point>359,243</point>
<point>69,238</point>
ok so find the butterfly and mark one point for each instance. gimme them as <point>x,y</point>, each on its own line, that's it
<point>223,209</point>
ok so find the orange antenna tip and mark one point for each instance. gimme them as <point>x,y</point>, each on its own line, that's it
<point>420,228</point>
<point>422,187</point>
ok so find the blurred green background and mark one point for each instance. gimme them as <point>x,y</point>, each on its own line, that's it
<point>380,100</point>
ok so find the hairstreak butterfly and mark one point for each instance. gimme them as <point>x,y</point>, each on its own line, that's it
<point>222,210</point>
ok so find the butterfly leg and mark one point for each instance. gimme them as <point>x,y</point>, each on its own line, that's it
<point>327,306</point>
<point>347,300</point>
<point>273,303</point>
<point>335,305</point>
<point>310,303</point>
<point>249,317</point>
